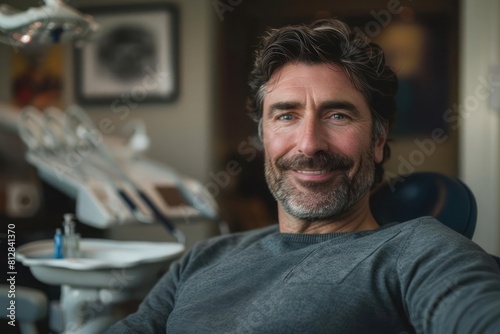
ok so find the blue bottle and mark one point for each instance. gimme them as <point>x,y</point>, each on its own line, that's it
<point>58,244</point>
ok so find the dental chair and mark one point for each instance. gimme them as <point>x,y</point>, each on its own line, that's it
<point>415,195</point>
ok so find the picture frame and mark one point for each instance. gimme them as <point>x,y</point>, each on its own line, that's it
<point>132,59</point>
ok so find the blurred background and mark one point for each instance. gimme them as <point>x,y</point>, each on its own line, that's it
<point>444,53</point>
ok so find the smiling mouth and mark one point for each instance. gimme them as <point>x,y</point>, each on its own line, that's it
<point>312,172</point>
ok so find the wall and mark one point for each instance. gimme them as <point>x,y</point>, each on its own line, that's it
<point>480,133</point>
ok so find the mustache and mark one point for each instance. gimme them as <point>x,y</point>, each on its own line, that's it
<point>321,160</point>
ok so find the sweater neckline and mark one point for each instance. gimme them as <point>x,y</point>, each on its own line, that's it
<point>316,238</point>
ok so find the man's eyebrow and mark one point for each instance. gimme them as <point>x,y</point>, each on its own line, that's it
<point>340,105</point>
<point>327,105</point>
<point>280,106</point>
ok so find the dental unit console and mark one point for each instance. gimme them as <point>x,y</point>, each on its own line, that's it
<point>111,182</point>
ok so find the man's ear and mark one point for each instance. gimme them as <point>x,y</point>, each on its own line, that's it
<point>379,144</point>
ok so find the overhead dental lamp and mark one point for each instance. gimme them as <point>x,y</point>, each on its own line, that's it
<point>54,22</point>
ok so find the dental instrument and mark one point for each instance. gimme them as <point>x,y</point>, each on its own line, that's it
<point>69,141</point>
<point>51,146</point>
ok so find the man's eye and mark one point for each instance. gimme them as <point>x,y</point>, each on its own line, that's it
<point>286,117</point>
<point>338,116</point>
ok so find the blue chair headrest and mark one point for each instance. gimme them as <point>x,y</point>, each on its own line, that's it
<point>415,195</point>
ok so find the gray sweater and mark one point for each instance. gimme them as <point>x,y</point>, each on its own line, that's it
<point>417,276</point>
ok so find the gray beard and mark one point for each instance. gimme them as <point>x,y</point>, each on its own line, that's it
<point>321,201</point>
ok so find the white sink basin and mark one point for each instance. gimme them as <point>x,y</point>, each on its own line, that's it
<point>107,272</point>
<point>102,263</point>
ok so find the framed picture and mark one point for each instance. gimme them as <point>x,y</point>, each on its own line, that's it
<point>132,59</point>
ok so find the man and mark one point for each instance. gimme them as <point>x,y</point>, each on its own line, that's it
<point>324,100</point>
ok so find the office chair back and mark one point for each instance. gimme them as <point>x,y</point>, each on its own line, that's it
<point>415,195</point>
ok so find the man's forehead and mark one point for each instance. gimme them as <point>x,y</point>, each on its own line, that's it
<point>293,73</point>
<point>295,79</point>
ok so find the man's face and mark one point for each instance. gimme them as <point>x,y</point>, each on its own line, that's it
<point>317,135</point>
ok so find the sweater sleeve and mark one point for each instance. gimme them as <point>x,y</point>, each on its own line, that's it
<point>153,312</point>
<point>448,283</point>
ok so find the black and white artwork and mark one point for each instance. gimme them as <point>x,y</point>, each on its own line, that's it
<point>132,58</point>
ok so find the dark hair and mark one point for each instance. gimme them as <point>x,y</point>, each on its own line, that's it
<point>329,41</point>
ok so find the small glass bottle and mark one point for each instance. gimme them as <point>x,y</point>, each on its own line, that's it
<point>71,239</point>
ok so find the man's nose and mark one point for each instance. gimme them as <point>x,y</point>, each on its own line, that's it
<point>312,137</point>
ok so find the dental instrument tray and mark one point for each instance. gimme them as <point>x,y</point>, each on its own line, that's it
<point>112,183</point>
